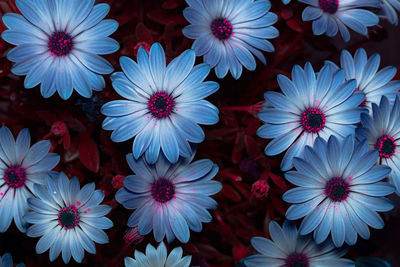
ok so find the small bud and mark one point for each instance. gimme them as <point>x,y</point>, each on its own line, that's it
<point>260,189</point>
<point>59,128</point>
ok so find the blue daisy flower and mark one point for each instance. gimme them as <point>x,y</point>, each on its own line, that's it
<point>169,198</point>
<point>7,261</point>
<point>229,33</point>
<point>340,190</point>
<point>21,166</point>
<point>382,132</point>
<point>67,218</point>
<point>158,258</point>
<point>331,16</point>
<point>390,9</point>
<point>373,83</point>
<point>58,44</point>
<point>163,105</point>
<point>311,105</point>
<point>290,249</point>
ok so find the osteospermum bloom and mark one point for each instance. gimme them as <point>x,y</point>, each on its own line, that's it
<point>169,198</point>
<point>158,258</point>
<point>21,166</point>
<point>67,218</point>
<point>7,261</point>
<point>289,249</point>
<point>340,190</point>
<point>163,105</point>
<point>228,33</point>
<point>373,83</point>
<point>382,132</point>
<point>331,16</point>
<point>58,44</point>
<point>390,9</point>
<point>311,105</point>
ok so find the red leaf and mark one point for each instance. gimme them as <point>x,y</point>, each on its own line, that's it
<point>76,125</point>
<point>294,25</point>
<point>230,193</point>
<point>278,204</point>
<point>278,181</point>
<point>170,4</point>
<point>89,153</point>
<point>251,147</point>
<point>67,140</point>
<point>143,34</point>
<point>287,13</point>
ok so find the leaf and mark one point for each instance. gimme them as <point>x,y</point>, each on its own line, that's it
<point>372,262</point>
<point>170,4</point>
<point>294,25</point>
<point>230,193</point>
<point>89,153</point>
<point>67,140</point>
<point>143,34</point>
<point>278,181</point>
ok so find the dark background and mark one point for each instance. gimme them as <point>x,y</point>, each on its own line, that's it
<point>87,152</point>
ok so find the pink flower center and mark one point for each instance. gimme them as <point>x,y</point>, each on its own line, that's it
<point>386,146</point>
<point>313,120</point>
<point>60,44</point>
<point>161,105</point>
<point>145,45</point>
<point>297,260</point>
<point>68,217</point>
<point>329,6</point>
<point>15,176</point>
<point>337,189</point>
<point>363,104</point>
<point>222,28</point>
<point>162,190</point>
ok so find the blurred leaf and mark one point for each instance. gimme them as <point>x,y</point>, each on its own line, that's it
<point>89,153</point>
<point>372,262</point>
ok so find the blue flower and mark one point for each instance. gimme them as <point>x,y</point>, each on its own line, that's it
<point>331,16</point>
<point>158,258</point>
<point>7,261</point>
<point>169,198</point>
<point>340,190</point>
<point>311,105</point>
<point>389,10</point>
<point>67,218</point>
<point>58,44</point>
<point>21,166</point>
<point>288,248</point>
<point>382,132</point>
<point>163,105</point>
<point>373,83</point>
<point>229,33</point>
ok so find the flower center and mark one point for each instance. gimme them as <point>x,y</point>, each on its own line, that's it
<point>337,189</point>
<point>222,28</point>
<point>15,176</point>
<point>161,105</point>
<point>329,6</point>
<point>68,217</point>
<point>297,260</point>
<point>145,45</point>
<point>363,104</point>
<point>386,146</point>
<point>313,120</point>
<point>162,190</point>
<point>60,44</point>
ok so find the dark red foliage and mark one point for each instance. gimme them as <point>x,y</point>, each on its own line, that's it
<point>253,184</point>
